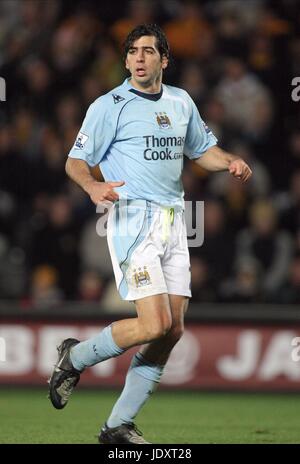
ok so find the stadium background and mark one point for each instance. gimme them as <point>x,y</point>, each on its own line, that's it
<point>237,60</point>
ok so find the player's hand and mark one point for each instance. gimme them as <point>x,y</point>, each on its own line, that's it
<point>240,170</point>
<point>103,191</point>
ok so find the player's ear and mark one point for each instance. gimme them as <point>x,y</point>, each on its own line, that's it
<point>164,62</point>
<point>126,64</point>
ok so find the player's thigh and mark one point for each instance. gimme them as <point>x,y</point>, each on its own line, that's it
<point>163,314</point>
<point>154,312</point>
<point>158,351</point>
<point>178,306</point>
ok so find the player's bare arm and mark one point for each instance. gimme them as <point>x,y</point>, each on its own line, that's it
<point>79,171</point>
<point>216,159</point>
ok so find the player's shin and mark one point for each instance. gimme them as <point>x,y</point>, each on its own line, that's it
<point>141,381</point>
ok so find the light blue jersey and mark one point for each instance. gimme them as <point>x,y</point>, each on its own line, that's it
<point>141,139</point>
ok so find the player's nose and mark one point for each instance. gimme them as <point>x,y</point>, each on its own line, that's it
<point>140,56</point>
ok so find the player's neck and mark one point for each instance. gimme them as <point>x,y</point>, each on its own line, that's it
<point>153,87</point>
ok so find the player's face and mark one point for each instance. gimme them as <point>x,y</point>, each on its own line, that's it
<point>145,63</point>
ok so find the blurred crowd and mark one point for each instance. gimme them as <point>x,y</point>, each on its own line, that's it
<point>235,58</point>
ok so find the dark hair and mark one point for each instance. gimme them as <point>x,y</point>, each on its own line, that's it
<point>148,29</point>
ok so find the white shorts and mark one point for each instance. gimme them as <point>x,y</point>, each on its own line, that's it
<point>148,248</point>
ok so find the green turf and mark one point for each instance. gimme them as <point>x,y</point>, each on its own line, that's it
<point>26,416</point>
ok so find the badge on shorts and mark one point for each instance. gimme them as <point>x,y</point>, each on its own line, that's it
<point>141,278</point>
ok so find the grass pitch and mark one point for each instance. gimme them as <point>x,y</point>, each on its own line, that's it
<point>169,417</point>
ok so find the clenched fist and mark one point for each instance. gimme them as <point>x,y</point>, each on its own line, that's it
<point>239,169</point>
<point>103,191</point>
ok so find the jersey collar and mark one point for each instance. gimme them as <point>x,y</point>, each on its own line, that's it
<point>147,96</point>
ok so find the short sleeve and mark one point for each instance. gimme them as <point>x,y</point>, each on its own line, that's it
<point>95,136</point>
<point>198,136</point>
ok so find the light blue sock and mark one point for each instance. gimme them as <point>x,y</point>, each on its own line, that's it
<point>142,380</point>
<point>94,350</point>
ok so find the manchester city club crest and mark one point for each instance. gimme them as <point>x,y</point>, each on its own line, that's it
<point>141,277</point>
<point>163,120</point>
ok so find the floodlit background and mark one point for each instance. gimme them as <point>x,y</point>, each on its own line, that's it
<point>237,60</point>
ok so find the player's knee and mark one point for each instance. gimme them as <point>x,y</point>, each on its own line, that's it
<point>157,331</point>
<point>175,333</point>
